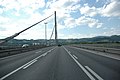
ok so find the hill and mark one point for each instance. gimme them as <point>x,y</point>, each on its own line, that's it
<point>97,39</point>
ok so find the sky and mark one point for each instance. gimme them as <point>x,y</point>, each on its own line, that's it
<point>75,18</point>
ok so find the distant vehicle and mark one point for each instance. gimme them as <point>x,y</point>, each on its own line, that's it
<point>59,45</point>
<point>25,45</point>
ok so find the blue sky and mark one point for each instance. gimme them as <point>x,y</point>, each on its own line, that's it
<point>75,18</point>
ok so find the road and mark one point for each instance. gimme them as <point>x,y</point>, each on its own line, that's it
<point>59,63</point>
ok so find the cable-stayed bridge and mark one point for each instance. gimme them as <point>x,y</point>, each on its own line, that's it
<point>67,62</point>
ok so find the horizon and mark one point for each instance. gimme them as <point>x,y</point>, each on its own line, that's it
<point>67,38</point>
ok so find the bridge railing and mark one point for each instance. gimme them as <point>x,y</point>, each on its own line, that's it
<point>8,52</point>
<point>102,49</point>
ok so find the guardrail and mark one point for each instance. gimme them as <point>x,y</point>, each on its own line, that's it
<point>102,49</point>
<point>8,52</point>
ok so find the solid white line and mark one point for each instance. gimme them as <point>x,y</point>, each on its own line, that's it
<point>38,57</point>
<point>29,64</point>
<point>44,54</point>
<point>49,51</point>
<point>95,74</point>
<point>75,57</point>
<point>11,73</point>
<point>87,73</point>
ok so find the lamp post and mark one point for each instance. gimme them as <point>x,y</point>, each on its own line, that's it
<point>45,33</point>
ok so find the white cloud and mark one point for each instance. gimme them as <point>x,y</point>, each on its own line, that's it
<point>70,22</point>
<point>59,27</point>
<point>1,10</point>
<point>19,5</point>
<point>33,4</point>
<point>112,31</point>
<point>111,9</point>
<point>32,34</point>
<point>72,8</point>
<point>91,22</point>
<point>2,29</point>
<point>4,20</point>
<point>62,7</point>
<point>89,11</point>
<point>88,21</point>
<point>10,4</point>
<point>62,3</point>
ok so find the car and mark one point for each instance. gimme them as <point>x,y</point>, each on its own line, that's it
<point>59,45</point>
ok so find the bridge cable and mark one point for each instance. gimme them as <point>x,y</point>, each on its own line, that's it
<point>16,34</point>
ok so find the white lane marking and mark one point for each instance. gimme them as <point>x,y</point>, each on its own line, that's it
<point>38,51</point>
<point>75,56</point>
<point>2,78</point>
<point>39,57</point>
<point>87,73</point>
<point>11,73</point>
<point>29,64</point>
<point>16,70</point>
<point>95,74</point>
<point>44,54</point>
<point>50,51</point>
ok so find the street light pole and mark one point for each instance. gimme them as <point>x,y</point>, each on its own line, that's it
<point>45,33</point>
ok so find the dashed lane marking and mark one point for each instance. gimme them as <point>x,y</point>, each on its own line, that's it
<point>75,57</point>
<point>95,74</point>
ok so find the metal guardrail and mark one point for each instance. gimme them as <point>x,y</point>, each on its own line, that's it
<point>102,49</point>
<point>8,52</point>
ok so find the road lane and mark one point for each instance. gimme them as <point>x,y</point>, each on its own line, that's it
<point>56,65</point>
<point>8,64</point>
<point>107,68</point>
<point>80,65</point>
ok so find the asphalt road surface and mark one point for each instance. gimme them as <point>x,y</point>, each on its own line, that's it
<point>59,63</point>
